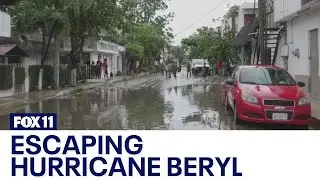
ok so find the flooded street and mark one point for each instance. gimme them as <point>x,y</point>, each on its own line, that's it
<point>149,103</point>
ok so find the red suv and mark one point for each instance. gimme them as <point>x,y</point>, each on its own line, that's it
<point>266,94</point>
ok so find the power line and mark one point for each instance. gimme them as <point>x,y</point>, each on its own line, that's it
<point>207,14</point>
<point>202,17</point>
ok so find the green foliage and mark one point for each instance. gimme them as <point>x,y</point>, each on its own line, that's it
<point>233,11</point>
<point>34,71</point>
<point>135,51</point>
<point>203,44</point>
<point>20,75</point>
<point>41,17</point>
<point>88,17</point>
<point>144,30</point>
<point>6,77</point>
<point>152,40</point>
<point>178,53</point>
<point>207,42</point>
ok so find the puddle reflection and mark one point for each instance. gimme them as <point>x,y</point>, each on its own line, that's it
<point>178,107</point>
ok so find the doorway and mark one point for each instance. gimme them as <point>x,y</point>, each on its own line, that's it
<point>314,63</point>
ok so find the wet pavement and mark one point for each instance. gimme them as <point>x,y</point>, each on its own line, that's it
<point>150,103</point>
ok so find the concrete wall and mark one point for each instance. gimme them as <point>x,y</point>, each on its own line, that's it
<point>5,25</point>
<point>298,38</point>
<point>283,8</point>
<point>34,54</point>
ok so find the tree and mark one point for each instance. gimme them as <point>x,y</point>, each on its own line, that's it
<point>178,53</point>
<point>38,16</point>
<point>207,43</point>
<point>150,38</point>
<point>135,52</point>
<point>88,17</point>
<point>141,24</point>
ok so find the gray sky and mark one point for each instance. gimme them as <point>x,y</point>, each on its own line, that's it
<point>197,12</point>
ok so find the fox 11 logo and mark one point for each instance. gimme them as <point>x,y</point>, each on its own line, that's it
<point>33,121</point>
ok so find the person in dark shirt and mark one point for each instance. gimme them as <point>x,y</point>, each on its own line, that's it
<point>174,69</point>
<point>105,68</point>
<point>189,69</point>
<point>205,70</point>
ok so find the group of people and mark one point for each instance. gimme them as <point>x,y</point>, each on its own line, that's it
<point>96,69</point>
<point>169,69</point>
<point>223,68</point>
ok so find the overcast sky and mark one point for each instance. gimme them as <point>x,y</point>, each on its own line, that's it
<point>197,12</point>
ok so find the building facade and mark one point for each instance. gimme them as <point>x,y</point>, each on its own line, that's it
<point>300,45</point>
<point>94,50</point>
<point>246,14</point>
<point>5,25</point>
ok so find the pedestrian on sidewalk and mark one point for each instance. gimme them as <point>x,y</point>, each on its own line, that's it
<point>189,69</point>
<point>105,69</point>
<point>99,62</point>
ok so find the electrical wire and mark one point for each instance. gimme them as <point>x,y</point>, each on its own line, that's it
<point>206,15</point>
<point>201,18</point>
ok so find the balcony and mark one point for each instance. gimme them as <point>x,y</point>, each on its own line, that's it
<point>285,10</point>
<point>107,47</point>
<point>5,25</point>
<point>92,45</point>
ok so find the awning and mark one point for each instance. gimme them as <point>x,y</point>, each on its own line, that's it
<point>11,50</point>
<point>243,35</point>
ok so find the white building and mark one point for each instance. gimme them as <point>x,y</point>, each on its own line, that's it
<point>5,25</point>
<point>95,50</point>
<point>300,45</point>
<point>245,15</point>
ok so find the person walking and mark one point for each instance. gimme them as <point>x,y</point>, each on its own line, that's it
<point>228,68</point>
<point>219,67</point>
<point>170,69</point>
<point>105,68</point>
<point>205,71</point>
<point>189,69</point>
<point>174,69</point>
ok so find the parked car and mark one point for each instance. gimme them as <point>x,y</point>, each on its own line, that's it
<point>266,94</point>
<point>197,66</point>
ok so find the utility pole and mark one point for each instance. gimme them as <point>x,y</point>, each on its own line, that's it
<point>262,14</point>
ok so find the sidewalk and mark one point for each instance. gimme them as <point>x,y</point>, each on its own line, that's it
<point>33,97</point>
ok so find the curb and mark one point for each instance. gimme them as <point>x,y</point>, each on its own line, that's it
<point>16,103</point>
